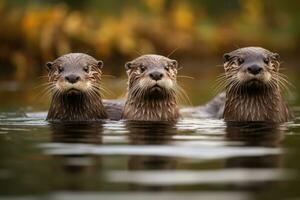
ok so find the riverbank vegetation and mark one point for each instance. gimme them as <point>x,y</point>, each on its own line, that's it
<point>34,32</point>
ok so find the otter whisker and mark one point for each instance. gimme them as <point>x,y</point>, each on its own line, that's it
<point>138,53</point>
<point>283,77</point>
<point>283,86</point>
<point>219,85</point>
<point>172,52</point>
<point>106,91</point>
<point>94,96</point>
<point>221,79</point>
<point>181,92</point>
<point>188,77</point>
<point>108,76</point>
<point>281,82</point>
<point>43,85</point>
<point>282,69</point>
<point>45,92</point>
<point>43,77</point>
<point>273,83</point>
<point>217,88</point>
<point>234,87</point>
<point>95,92</point>
<point>135,90</point>
<point>180,97</point>
<point>101,88</point>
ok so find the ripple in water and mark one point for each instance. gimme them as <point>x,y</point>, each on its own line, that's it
<point>210,158</point>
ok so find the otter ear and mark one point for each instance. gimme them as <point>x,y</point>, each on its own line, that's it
<point>174,63</point>
<point>128,66</point>
<point>276,56</point>
<point>100,64</point>
<point>226,57</point>
<point>49,66</point>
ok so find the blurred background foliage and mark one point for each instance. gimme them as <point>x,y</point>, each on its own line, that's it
<point>33,32</point>
<point>36,31</point>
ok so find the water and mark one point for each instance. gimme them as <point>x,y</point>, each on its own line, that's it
<point>193,159</point>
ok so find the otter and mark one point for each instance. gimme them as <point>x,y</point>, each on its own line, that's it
<point>252,83</point>
<point>152,89</point>
<point>74,80</point>
<point>253,86</point>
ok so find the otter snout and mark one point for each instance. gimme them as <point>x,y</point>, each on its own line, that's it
<point>254,69</point>
<point>72,78</point>
<point>156,75</point>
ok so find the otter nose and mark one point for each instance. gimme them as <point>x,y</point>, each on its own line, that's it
<point>72,78</point>
<point>254,69</point>
<point>156,75</point>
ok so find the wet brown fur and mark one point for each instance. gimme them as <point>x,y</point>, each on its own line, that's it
<point>144,103</point>
<point>250,99</point>
<point>84,104</point>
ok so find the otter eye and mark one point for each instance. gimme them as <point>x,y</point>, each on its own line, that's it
<point>142,68</point>
<point>266,60</point>
<point>167,68</point>
<point>240,61</point>
<point>60,69</point>
<point>86,69</point>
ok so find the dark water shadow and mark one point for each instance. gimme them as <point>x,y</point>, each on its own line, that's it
<point>256,134</point>
<point>76,171</point>
<point>150,133</point>
<point>81,132</point>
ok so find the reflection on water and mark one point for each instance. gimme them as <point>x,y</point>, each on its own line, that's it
<point>191,159</point>
<point>83,132</point>
<point>256,134</point>
<point>76,169</point>
<point>148,133</point>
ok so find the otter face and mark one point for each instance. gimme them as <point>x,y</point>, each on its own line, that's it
<point>251,65</point>
<point>151,75</point>
<point>75,73</point>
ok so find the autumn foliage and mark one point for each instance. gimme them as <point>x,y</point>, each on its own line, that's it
<point>33,33</point>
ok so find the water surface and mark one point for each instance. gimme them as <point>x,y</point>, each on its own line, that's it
<point>195,158</point>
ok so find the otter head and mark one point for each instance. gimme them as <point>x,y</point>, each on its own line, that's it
<point>75,73</point>
<point>251,67</point>
<point>151,77</point>
<point>152,89</point>
<point>74,80</point>
<point>253,86</point>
